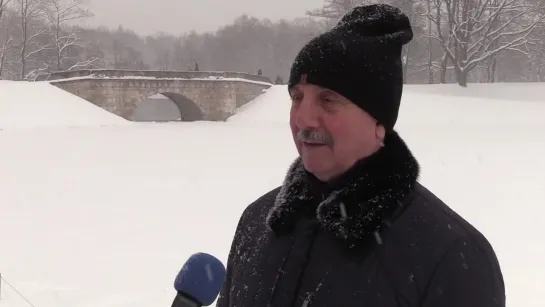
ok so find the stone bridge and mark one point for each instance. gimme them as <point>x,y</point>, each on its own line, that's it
<point>213,96</point>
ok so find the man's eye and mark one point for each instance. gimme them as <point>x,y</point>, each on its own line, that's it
<point>296,98</point>
<point>329,100</point>
<point>330,105</point>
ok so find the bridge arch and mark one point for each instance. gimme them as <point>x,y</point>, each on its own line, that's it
<point>167,106</point>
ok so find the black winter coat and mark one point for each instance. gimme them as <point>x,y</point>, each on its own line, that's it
<point>374,238</point>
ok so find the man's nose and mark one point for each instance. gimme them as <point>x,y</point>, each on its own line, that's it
<point>307,114</point>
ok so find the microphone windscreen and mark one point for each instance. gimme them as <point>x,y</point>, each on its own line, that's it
<point>201,278</point>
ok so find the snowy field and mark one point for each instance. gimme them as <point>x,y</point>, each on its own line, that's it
<point>31,105</point>
<point>96,211</point>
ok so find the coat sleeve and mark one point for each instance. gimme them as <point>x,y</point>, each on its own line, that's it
<point>469,275</point>
<point>223,298</point>
<point>224,295</point>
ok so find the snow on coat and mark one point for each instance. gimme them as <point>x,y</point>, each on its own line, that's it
<point>373,238</point>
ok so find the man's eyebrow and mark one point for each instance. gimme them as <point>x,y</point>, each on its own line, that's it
<point>330,92</point>
<point>294,89</point>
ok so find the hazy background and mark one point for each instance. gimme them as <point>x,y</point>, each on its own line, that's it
<point>178,16</point>
<point>482,41</point>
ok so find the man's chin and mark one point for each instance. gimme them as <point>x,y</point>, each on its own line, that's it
<point>313,165</point>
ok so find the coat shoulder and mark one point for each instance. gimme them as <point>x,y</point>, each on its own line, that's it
<point>464,258</point>
<point>430,223</point>
<point>261,206</point>
<point>250,229</point>
<point>440,219</point>
<point>432,241</point>
<point>253,218</point>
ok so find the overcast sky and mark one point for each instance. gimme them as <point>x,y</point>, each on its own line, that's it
<point>179,16</point>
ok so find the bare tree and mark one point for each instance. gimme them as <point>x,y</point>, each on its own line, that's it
<point>472,32</point>
<point>163,46</point>
<point>334,9</point>
<point>8,40</point>
<point>6,47</point>
<point>3,53</point>
<point>426,49</point>
<point>32,16</point>
<point>58,13</point>
<point>3,7</point>
<point>429,44</point>
<point>413,11</point>
<point>126,57</point>
<point>536,60</point>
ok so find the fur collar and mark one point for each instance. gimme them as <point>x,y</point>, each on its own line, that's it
<point>360,206</point>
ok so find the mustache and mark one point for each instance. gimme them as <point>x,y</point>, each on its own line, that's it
<point>314,136</point>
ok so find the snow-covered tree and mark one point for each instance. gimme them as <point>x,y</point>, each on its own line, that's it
<point>472,32</point>
<point>31,14</point>
<point>6,21</point>
<point>59,12</point>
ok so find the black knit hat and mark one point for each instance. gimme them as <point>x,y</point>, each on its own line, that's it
<point>360,58</point>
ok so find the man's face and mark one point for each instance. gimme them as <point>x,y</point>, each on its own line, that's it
<point>330,132</point>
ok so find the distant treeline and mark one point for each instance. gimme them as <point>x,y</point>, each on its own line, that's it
<point>455,41</point>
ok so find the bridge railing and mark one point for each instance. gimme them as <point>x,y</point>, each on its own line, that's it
<point>117,73</point>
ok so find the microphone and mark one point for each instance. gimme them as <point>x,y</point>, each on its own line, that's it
<point>199,281</point>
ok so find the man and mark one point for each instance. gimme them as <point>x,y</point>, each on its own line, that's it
<point>350,225</point>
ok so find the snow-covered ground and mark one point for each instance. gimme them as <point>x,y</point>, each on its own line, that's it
<point>105,214</point>
<point>40,104</point>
